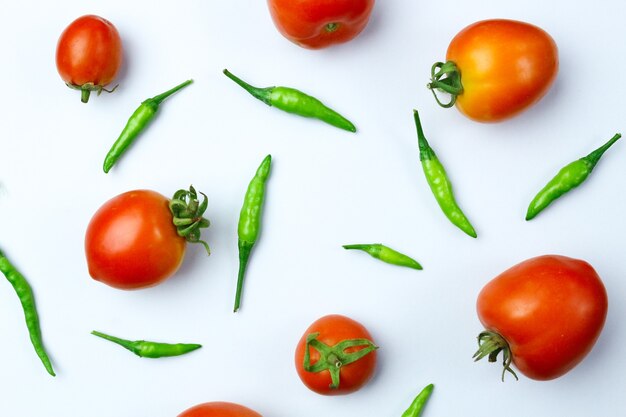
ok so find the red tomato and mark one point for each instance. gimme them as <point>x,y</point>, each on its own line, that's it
<point>351,372</point>
<point>131,241</point>
<point>320,23</point>
<point>219,409</point>
<point>548,311</point>
<point>505,66</point>
<point>89,54</point>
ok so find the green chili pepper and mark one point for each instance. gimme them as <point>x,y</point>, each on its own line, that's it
<point>147,349</point>
<point>296,102</point>
<point>250,221</point>
<point>27,299</point>
<point>417,406</point>
<point>136,124</point>
<point>332,358</point>
<point>386,254</point>
<point>569,177</point>
<point>439,183</point>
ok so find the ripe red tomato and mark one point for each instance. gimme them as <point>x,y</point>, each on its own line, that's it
<point>131,241</point>
<point>497,68</point>
<point>341,356</point>
<point>219,409</point>
<point>320,23</point>
<point>89,54</point>
<point>545,313</point>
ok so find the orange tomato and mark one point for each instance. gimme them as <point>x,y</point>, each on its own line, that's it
<point>497,68</point>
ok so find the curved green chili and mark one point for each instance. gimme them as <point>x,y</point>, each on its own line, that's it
<point>439,183</point>
<point>136,124</point>
<point>152,350</point>
<point>417,406</point>
<point>296,102</point>
<point>332,358</point>
<point>386,254</point>
<point>27,299</point>
<point>250,221</point>
<point>568,178</point>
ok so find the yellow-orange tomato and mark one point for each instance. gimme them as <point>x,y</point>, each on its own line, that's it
<point>505,66</point>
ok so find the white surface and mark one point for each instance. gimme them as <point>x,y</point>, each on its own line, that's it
<point>327,188</point>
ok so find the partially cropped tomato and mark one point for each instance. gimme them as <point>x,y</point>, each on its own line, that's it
<point>320,23</point>
<point>89,54</point>
<point>132,242</point>
<point>336,355</point>
<point>545,314</point>
<point>496,68</point>
<point>219,409</point>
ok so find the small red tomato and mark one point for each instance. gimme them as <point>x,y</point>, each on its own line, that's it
<point>89,54</point>
<point>219,409</point>
<point>317,24</point>
<point>132,242</point>
<point>497,68</point>
<point>545,314</point>
<point>336,355</point>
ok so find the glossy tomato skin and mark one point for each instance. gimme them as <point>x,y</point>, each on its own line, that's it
<point>506,66</point>
<point>305,22</point>
<point>131,241</point>
<point>550,309</point>
<point>89,51</point>
<point>333,329</point>
<point>219,409</point>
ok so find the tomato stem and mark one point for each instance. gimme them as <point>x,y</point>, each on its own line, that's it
<point>445,77</point>
<point>331,27</point>
<point>332,358</point>
<point>490,344</point>
<point>187,215</point>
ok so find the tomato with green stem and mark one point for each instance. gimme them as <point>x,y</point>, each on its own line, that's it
<point>544,314</point>
<point>495,69</point>
<point>336,355</point>
<point>318,24</point>
<point>138,238</point>
<point>89,55</point>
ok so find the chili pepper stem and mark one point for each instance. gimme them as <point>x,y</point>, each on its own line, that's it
<point>122,342</point>
<point>357,246</point>
<point>244,254</point>
<point>595,156</point>
<point>257,92</point>
<point>159,98</point>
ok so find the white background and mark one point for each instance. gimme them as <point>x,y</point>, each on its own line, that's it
<point>328,187</point>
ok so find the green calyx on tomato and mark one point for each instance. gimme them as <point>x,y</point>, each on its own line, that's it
<point>332,358</point>
<point>87,88</point>
<point>445,77</point>
<point>490,344</point>
<point>188,213</point>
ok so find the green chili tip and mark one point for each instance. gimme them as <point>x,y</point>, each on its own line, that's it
<point>188,213</point>
<point>417,406</point>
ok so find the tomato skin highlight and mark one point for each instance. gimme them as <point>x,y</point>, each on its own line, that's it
<point>89,51</point>
<point>219,409</point>
<point>333,329</point>
<point>131,242</point>
<point>550,310</point>
<point>305,22</point>
<point>506,66</point>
